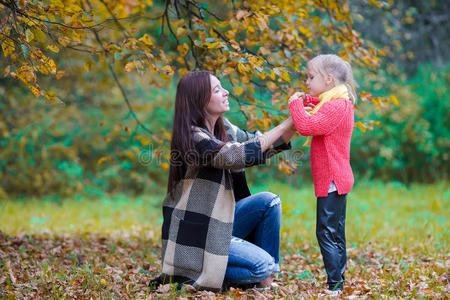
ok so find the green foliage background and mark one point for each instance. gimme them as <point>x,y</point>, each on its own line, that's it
<point>91,145</point>
<point>56,149</point>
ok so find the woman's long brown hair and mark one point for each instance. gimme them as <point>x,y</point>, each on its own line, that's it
<point>193,95</point>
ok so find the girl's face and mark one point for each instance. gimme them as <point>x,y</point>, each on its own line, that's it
<point>317,83</point>
<point>218,104</point>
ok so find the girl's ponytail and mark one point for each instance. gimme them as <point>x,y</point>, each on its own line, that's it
<point>349,81</point>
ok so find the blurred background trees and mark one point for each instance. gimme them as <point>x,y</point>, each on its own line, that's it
<point>104,73</point>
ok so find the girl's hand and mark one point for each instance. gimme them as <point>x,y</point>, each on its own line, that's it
<point>309,107</point>
<point>297,95</point>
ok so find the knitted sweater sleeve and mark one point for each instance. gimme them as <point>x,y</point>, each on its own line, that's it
<point>242,136</point>
<point>230,155</point>
<point>323,122</point>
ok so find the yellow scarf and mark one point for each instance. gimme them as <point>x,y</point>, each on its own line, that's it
<point>338,92</point>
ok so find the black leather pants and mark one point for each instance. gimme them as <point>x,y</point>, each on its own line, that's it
<point>330,232</point>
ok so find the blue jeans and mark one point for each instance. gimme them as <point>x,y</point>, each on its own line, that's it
<point>255,245</point>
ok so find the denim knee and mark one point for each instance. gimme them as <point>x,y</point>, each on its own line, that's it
<point>269,199</point>
<point>263,268</point>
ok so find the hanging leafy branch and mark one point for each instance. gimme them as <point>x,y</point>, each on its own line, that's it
<point>257,45</point>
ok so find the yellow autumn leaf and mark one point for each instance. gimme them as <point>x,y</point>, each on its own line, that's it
<point>261,75</point>
<point>264,51</point>
<point>8,47</point>
<point>6,71</point>
<point>145,141</point>
<point>39,35</point>
<point>394,100</point>
<point>164,77</point>
<point>361,126</point>
<point>272,75</point>
<point>130,66</point>
<point>165,166</point>
<point>57,3</point>
<point>102,160</point>
<point>50,95</point>
<point>29,36</point>
<point>286,167</point>
<point>53,48</point>
<point>35,90</point>
<point>271,85</point>
<point>285,76</point>
<point>168,70</point>
<point>26,74</point>
<point>227,71</point>
<point>305,31</point>
<point>262,24</point>
<point>183,49</point>
<point>182,72</point>
<point>238,90</point>
<point>181,32</point>
<point>146,40</point>
<point>64,41</point>
<point>130,154</point>
<point>149,2</point>
<point>307,143</point>
<point>72,8</point>
<point>48,66</point>
<point>212,45</point>
<point>88,66</point>
<point>60,74</point>
<point>242,68</point>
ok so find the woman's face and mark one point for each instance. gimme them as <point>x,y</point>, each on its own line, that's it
<point>218,104</point>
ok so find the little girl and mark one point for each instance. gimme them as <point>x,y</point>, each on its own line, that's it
<point>330,123</point>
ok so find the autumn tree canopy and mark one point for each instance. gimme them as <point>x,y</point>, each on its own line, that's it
<point>257,48</point>
<point>254,43</point>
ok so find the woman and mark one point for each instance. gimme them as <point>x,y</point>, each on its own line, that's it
<point>214,231</point>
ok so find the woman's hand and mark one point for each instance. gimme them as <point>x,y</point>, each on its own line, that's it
<point>297,95</point>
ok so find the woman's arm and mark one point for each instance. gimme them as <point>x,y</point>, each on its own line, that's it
<point>289,133</point>
<point>234,155</point>
<point>284,130</point>
<point>244,135</point>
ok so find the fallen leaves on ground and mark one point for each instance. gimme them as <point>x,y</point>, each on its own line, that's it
<point>98,266</point>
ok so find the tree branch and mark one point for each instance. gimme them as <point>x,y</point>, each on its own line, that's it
<point>12,7</point>
<point>116,20</point>
<point>122,90</point>
<point>200,9</point>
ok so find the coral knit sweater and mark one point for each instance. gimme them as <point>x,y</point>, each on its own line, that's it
<point>331,128</point>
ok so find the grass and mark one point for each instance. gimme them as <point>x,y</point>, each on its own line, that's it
<point>397,244</point>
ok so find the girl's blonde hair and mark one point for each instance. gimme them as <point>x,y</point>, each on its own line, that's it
<point>340,69</point>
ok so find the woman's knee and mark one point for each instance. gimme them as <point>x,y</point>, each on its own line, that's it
<point>270,199</point>
<point>263,268</point>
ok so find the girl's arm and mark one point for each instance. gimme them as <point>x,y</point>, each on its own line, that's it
<point>324,121</point>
